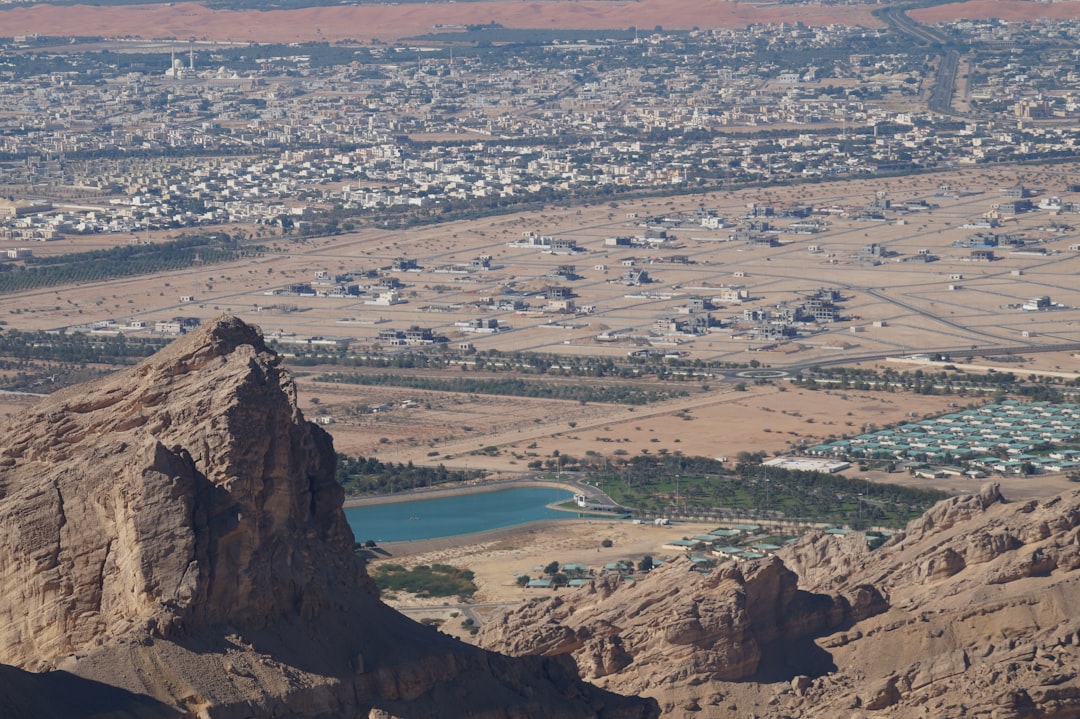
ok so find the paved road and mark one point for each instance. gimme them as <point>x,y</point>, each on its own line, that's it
<point>467,610</point>
<point>945,80</point>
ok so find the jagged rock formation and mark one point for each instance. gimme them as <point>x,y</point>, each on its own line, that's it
<point>982,619</point>
<point>172,537</point>
<point>682,626</point>
<point>980,622</point>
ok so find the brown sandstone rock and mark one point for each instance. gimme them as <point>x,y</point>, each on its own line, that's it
<point>677,626</point>
<point>980,621</point>
<point>941,565</point>
<point>175,531</point>
<point>884,695</point>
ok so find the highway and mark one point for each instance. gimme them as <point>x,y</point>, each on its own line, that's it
<point>958,350</point>
<point>945,83</point>
<point>941,95</point>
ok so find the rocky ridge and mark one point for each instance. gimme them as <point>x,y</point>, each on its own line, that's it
<point>172,544</point>
<point>981,621</point>
<point>968,612</point>
<point>681,625</point>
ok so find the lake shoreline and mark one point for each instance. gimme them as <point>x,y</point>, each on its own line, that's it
<point>413,495</point>
<point>466,512</point>
<point>438,544</point>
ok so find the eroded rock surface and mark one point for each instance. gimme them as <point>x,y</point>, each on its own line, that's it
<point>679,625</point>
<point>981,621</point>
<point>970,612</point>
<point>175,531</point>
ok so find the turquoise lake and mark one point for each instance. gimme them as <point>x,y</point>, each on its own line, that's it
<point>451,516</point>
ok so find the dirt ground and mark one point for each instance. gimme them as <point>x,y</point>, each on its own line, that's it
<point>497,558</point>
<point>718,423</point>
<point>896,307</point>
<point>1009,10</point>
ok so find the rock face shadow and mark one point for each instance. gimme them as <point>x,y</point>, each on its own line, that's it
<point>61,695</point>
<point>180,528</point>
<point>783,660</point>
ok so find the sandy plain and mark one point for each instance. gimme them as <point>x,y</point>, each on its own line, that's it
<point>387,22</point>
<point>895,308</point>
<point>1008,10</point>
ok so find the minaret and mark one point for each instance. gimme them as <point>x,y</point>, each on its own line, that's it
<point>191,56</point>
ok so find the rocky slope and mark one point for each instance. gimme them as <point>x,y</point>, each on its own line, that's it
<point>982,619</point>
<point>682,626</point>
<point>172,540</point>
<point>969,612</point>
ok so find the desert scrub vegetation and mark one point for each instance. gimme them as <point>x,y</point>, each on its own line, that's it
<point>436,580</point>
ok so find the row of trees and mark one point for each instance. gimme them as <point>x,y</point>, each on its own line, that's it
<point>680,485</point>
<point>522,362</point>
<point>121,261</point>
<point>367,475</point>
<point>76,347</point>
<point>514,387</point>
<point>948,381</point>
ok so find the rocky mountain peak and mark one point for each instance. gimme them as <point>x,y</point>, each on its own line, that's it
<point>166,497</point>
<point>175,531</point>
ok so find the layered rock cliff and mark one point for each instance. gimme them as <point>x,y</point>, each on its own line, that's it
<point>968,612</point>
<point>683,626</point>
<point>982,619</point>
<point>174,532</point>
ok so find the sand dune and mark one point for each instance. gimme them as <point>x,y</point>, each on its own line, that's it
<point>1011,10</point>
<point>389,22</point>
<point>365,23</point>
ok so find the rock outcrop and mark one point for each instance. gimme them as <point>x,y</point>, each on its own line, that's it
<point>174,534</point>
<point>980,623</point>
<point>968,612</point>
<point>680,625</point>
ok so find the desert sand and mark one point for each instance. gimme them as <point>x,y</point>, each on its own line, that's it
<point>1009,10</point>
<point>719,423</point>
<point>391,22</point>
